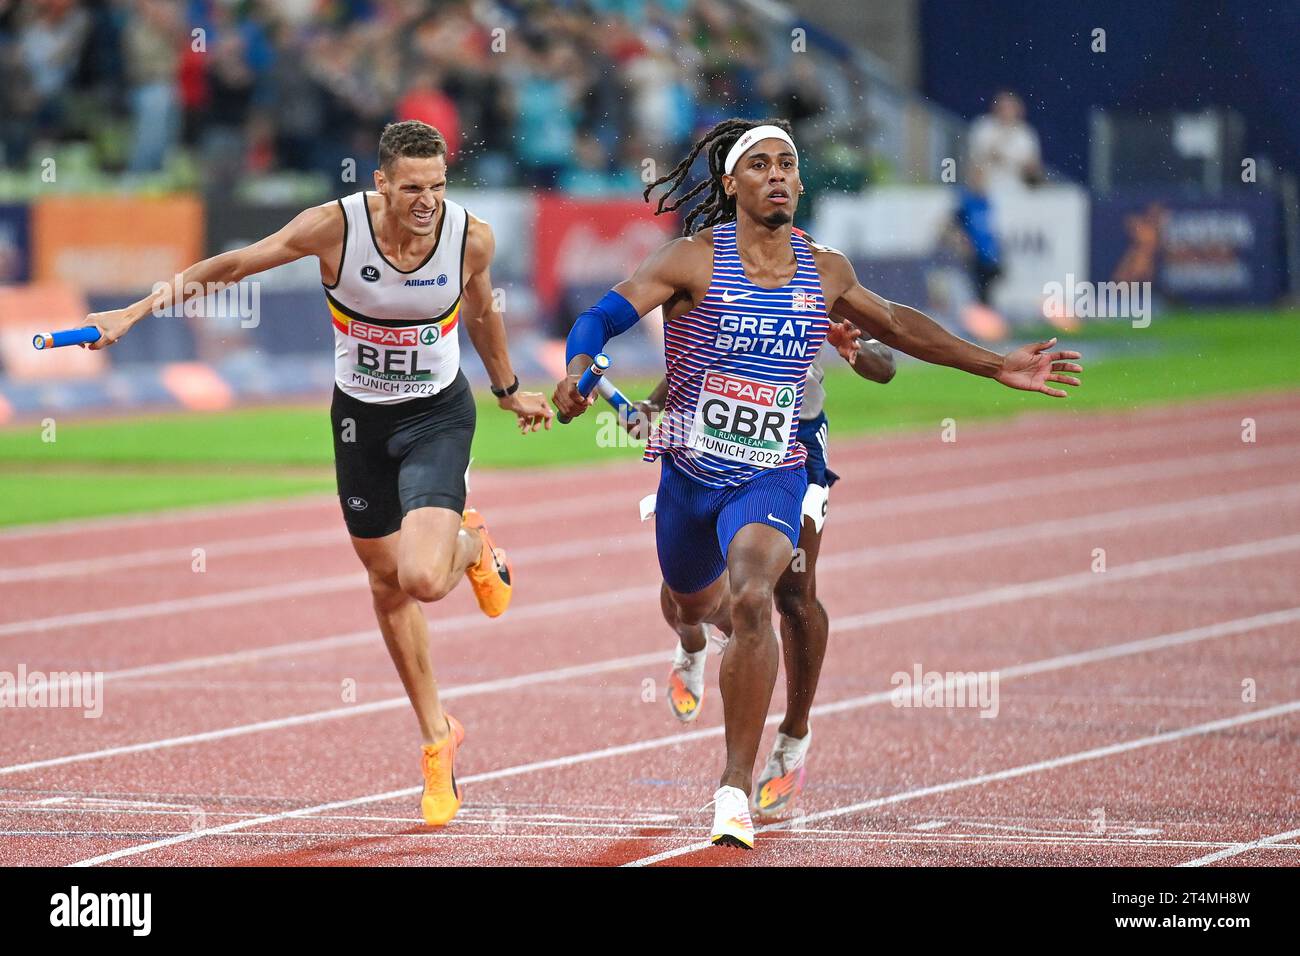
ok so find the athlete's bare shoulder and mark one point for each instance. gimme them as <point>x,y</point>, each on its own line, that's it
<point>677,272</point>
<point>480,244</point>
<point>317,230</point>
<point>685,261</point>
<point>835,269</point>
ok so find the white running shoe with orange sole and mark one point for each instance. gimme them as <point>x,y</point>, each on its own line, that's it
<point>686,683</point>
<point>732,825</point>
<point>781,781</point>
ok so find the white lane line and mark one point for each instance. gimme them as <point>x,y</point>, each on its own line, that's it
<point>508,830</point>
<point>1077,479</point>
<point>983,492</point>
<point>353,710</point>
<point>1012,592</point>
<point>501,820</point>
<point>1039,766</point>
<point>1242,848</point>
<point>135,612</point>
<point>1177,638</point>
<point>197,513</point>
<point>924,548</point>
<point>334,539</point>
<point>618,816</point>
<point>922,609</point>
<point>560,506</point>
<point>1207,506</point>
<point>506,835</point>
<point>268,592</point>
<point>991,448</point>
<point>908,503</point>
<point>236,658</point>
<point>181,557</point>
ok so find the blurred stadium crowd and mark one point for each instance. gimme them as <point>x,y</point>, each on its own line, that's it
<point>206,124</point>
<point>571,94</point>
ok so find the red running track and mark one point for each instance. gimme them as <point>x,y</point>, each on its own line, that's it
<point>1145,714</point>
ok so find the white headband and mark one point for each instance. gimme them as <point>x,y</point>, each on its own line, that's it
<point>749,138</point>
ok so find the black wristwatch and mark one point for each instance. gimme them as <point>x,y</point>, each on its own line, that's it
<point>503,392</point>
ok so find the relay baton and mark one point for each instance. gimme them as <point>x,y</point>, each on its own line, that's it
<point>55,340</point>
<point>609,391</point>
<point>587,384</point>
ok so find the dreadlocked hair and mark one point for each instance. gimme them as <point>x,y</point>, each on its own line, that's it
<point>716,206</point>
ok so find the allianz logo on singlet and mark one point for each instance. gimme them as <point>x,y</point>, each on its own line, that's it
<point>441,280</point>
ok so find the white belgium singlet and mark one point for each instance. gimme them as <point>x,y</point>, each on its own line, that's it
<point>395,332</point>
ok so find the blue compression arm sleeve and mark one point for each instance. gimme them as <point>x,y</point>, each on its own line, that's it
<point>611,316</point>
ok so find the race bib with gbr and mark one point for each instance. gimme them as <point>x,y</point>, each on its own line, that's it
<point>743,420</point>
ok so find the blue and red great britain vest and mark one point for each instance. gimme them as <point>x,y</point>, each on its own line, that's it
<point>736,365</point>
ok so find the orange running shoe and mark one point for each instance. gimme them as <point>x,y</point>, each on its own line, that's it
<point>442,795</point>
<point>491,576</point>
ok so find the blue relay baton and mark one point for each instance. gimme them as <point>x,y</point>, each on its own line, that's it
<point>587,384</point>
<point>625,408</point>
<point>56,340</point>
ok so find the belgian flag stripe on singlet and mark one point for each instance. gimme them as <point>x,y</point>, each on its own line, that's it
<point>343,317</point>
<point>395,331</point>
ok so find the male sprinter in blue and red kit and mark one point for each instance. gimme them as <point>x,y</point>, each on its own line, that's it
<point>402,267</point>
<point>747,307</point>
<point>805,626</point>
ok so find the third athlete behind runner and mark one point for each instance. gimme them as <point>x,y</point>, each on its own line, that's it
<point>747,307</point>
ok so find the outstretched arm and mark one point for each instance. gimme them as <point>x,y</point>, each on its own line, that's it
<point>665,274</point>
<point>1029,367</point>
<point>486,328</point>
<point>313,232</point>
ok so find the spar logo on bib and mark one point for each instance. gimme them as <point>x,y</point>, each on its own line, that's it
<point>408,335</point>
<point>735,417</point>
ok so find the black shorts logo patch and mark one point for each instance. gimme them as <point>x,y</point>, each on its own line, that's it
<point>358,504</point>
<point>370,273</point>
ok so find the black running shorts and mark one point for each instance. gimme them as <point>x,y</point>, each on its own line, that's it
<point>391,459</point>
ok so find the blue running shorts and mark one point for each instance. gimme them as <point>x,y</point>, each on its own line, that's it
<point>694,524</point>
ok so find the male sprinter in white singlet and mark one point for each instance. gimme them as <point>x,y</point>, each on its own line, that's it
<point>402,267</point>
<point>746,305</point>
